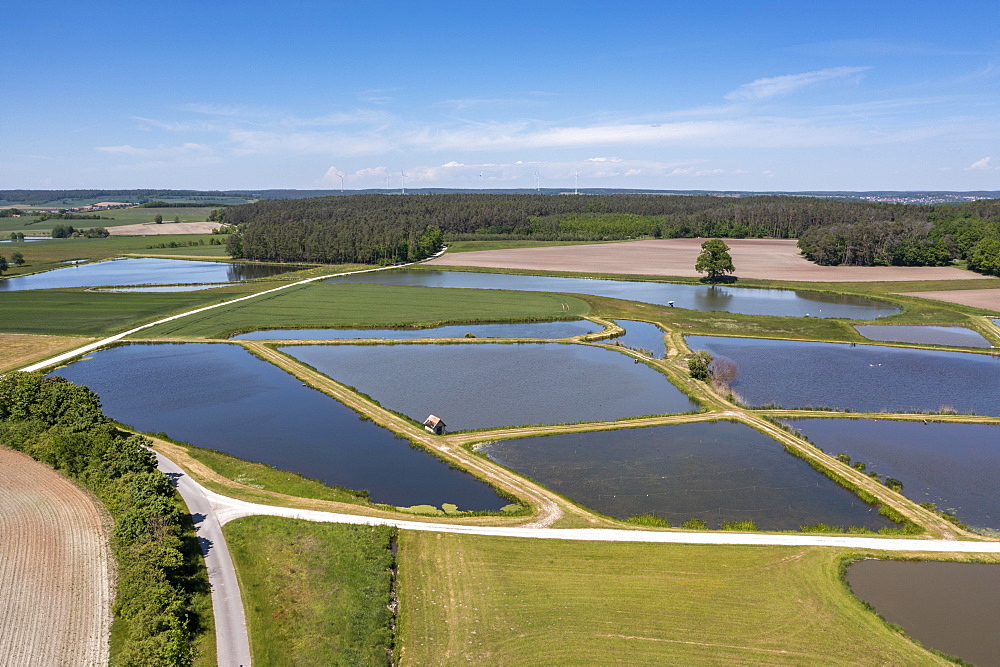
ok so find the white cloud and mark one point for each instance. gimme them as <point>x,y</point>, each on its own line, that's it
<point>981,165</point>
<point>783,85</point>
<point>158,152</point>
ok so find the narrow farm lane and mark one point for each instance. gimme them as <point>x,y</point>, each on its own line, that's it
<point>231,639</point>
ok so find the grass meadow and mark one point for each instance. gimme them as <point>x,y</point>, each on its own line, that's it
<point>314,593</point>
<point>505,601</point>
<point>82,313</point>
<point>324,305</point>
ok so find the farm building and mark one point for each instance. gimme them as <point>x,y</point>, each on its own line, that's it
<point>434,425</point>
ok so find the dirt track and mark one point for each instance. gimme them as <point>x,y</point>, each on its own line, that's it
<point>771,259</point>
<point>987,299</point>
<point>153,229</point>
<point>55,568</point>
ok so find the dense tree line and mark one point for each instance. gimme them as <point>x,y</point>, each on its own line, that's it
<point>71,232</point>
<point>382,228</point>
<point>61,424</point>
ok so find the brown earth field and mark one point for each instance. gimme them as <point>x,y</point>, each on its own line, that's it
<point>55,568</point>
<point>18,350</point>
<point>154,229</point>
<point>768,259</point>
<point>987,299</point>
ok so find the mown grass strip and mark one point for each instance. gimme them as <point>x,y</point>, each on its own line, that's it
<point>314,593</point>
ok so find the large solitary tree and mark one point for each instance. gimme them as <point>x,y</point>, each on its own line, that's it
<point>714,260</point>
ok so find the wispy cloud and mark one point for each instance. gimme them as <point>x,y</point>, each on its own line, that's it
<point>981,165</point>
<point>783,85</point>
<point>158,152</point>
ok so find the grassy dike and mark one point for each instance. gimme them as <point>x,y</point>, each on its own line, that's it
<point>315,594</point>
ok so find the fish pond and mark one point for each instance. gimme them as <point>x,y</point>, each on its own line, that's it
<point>747,300</point>
<point>864,378</point>
<point>714,471</point>
<point>143,271</point>
<point>642,336</point>
<point>221,397</point>
<point>491,385</point>
<point>954,466</point>
<point>515,330</point>
<point>951,607</point>
<point>922,335</point>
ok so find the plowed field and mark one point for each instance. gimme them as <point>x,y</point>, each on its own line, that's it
<point>55,568</point>
<point>771,259</point>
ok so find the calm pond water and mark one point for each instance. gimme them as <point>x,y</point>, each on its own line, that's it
<point>143,271</point>
<point>222,397</point>
<point>516,330</point>
<point>489,385</point>
<point>643,336</point>
<point>951,607</point>
<point>954,466</point>
<point>866,378</point>
<point>715,471</point>
<point>957,336</point>
<point>748,300</point>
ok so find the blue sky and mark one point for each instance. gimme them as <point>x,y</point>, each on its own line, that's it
<point>659,95</point>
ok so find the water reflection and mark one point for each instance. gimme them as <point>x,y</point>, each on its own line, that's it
<point>642,336</point>
<point>748,300</point>
<point>143,271</point>
<point>864,378</point>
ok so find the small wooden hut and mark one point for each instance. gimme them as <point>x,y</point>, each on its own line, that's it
<point>435,425</point>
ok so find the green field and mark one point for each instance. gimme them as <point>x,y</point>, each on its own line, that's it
<point>81,313</point>
<point>340,305</point>
<point>31,225</point>
<point>314,594</point>
<point>505,601</point>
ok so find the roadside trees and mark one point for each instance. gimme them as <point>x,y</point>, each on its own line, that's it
<point>714,260</point>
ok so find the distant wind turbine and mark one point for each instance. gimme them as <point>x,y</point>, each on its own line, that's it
<point>576,183</point>
<point>402,182</point>
<point>538,180</point>
<point>341,181</point>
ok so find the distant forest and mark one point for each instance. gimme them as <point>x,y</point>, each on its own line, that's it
<point>384,229</point>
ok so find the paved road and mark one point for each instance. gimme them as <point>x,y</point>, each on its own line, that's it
<point>232,642</point>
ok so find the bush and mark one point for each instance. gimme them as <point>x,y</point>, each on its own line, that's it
<point>650,520</point>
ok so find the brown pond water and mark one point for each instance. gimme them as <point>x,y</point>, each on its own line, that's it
<point>950,607</point>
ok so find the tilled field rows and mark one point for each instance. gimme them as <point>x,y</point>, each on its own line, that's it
<point>55,568</point>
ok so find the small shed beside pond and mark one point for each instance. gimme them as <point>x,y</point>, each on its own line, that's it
<point>435,425</point>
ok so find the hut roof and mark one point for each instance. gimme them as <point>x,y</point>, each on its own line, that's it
<point>433,421</point>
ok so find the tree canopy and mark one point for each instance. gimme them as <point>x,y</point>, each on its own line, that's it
<point>714,260</point>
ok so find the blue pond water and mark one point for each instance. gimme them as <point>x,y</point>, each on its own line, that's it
<point>865,378</point>
<point>955,336</point>
<point>142,271</point>
<point>490,385</point>
<point>222,397</point>
<point>954,466</point>
<point>748,300</point>
<point>643,336</point>
<point>714,471</point>
<point>517,330</point>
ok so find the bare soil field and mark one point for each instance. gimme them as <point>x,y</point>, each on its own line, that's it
<point>987,299</point>
<point>769,259</point>
<point>154,229</point>
<point>55,568</point>
<point>19,350</point>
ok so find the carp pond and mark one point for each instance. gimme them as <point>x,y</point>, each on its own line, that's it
<point>747,300</point>
<point>223,398</point>
<point>493,385</point>
<point>143,271</point>
<point>862,378</point>
<point>714,471</point>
